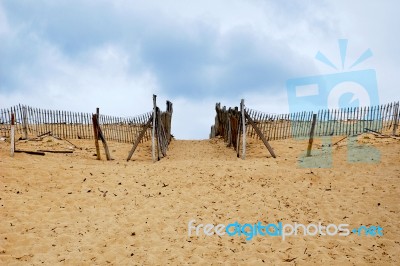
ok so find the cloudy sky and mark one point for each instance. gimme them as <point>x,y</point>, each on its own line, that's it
<point>79,55</point>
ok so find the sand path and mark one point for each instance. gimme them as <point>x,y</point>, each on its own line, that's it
<point>72,209</point>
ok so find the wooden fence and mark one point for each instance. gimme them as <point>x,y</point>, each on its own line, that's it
<point>70,125</point>
<point>34,122</point>
<point>160,124</point>
<point>337,122</point>
<point>31,121</point>
<point>227,124</point>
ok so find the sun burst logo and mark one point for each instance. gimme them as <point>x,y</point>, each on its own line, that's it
<point>343,52</point>
<point>343,89</point>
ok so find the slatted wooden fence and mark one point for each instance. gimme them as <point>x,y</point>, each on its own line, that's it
<point>35,122</point>
<point>32,121</point>
<point>337,122</point>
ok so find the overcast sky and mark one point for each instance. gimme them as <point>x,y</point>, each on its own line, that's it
<point>79,55</point>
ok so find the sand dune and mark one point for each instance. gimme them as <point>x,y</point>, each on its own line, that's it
<point>72,209</point>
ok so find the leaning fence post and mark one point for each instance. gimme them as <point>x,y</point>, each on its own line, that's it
<point>96,135</point>
<point>139,138</point>
<point>153,148</point>
<point>243,129</point>
<point>395,118</point>
<point>12,135</point>
<point>310,141</point>
<point>100,135</point>
<point>260,134</point>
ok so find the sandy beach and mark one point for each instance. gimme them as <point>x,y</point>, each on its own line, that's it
<point>72,209</point>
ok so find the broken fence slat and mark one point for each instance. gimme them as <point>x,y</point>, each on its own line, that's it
<point>339,141</point>
<point>41,135</point>
<point>55,151</point>
<point>31,152</point>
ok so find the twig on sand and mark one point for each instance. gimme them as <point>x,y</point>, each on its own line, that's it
<point>104,192</point>
<point>339,141</point>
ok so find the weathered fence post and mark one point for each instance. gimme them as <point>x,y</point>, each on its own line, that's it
<point>212,133</point>
<point>153,148</point>
<point>235,126</point>
<point>12,135</point>
<point>103,139</point>
<point>229,128</point>
<point>310,141</point>
<point>169,112</point>
<point>158,133</point>
<point>96,136</point>
<point>395,118</point>
<point>218,130</point>
<point>243,129</point>
<point>239,128</point>
<point>24,122</point>
<point>97,115</point>
<point>100,135</point>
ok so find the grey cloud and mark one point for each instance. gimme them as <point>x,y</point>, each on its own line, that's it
<point>181,55</point>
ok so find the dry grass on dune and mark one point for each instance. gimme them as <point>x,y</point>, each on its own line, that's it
<point>73,209</point>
